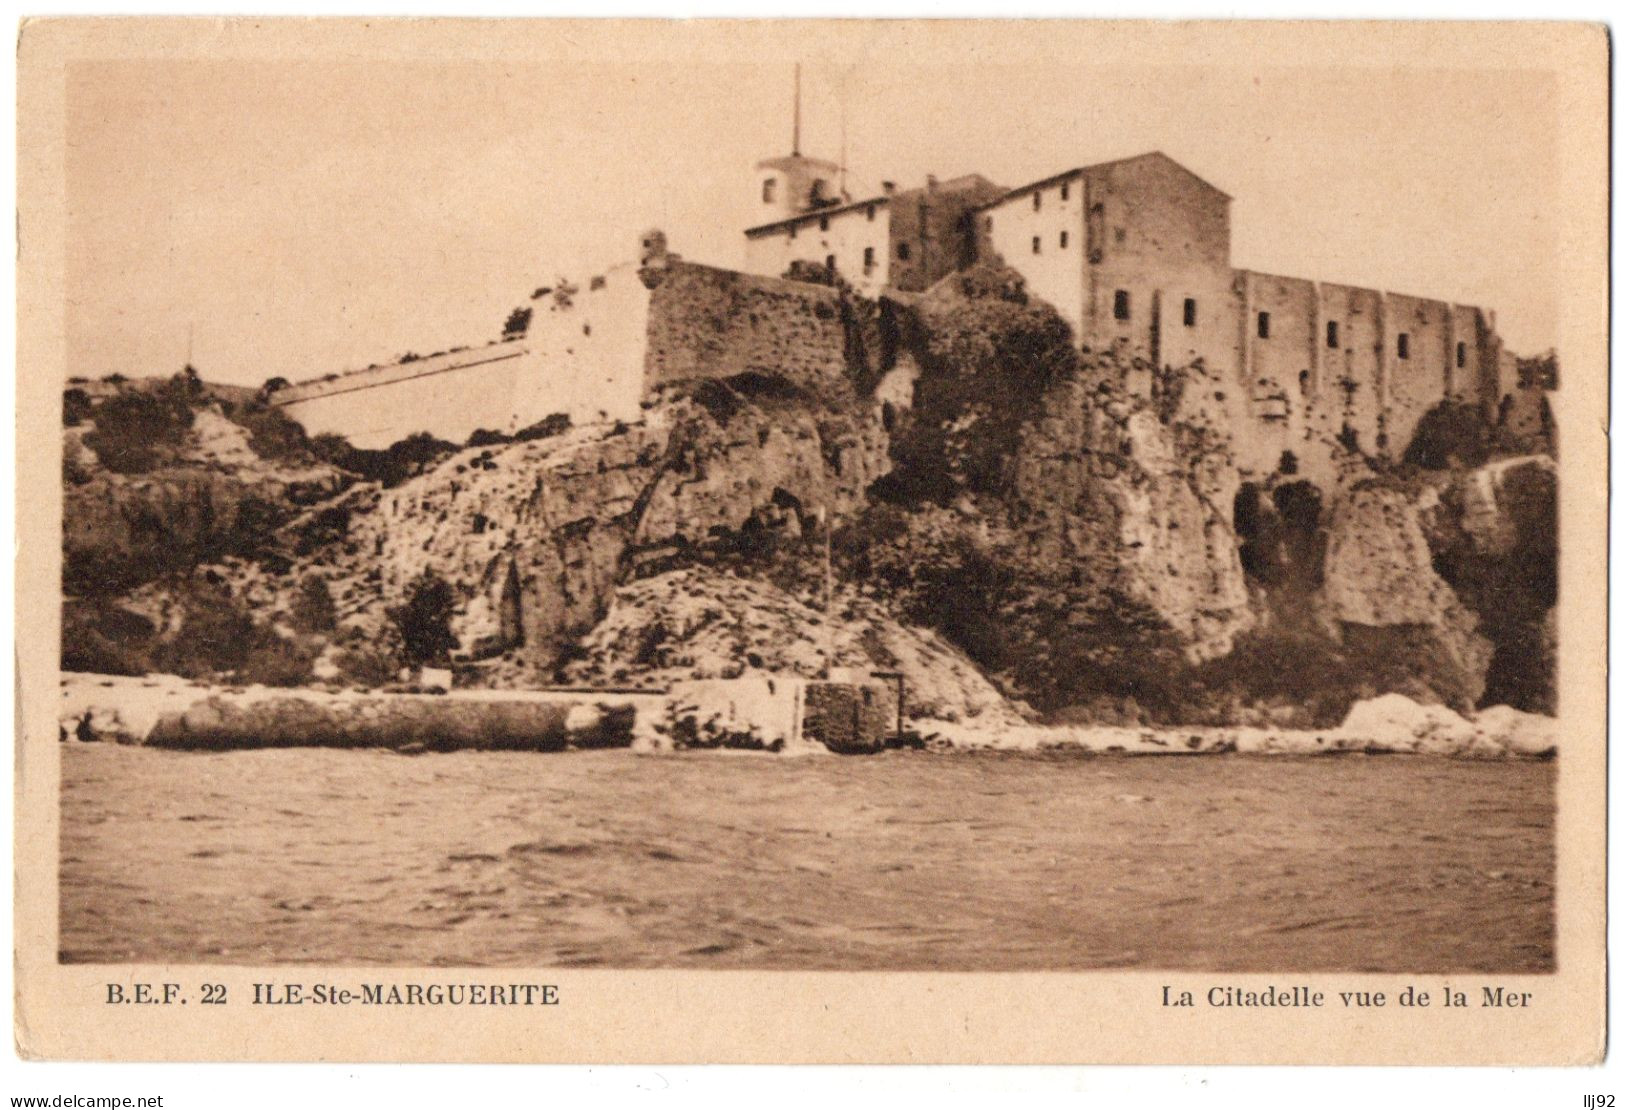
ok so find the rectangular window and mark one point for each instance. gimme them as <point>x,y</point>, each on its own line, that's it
<point>871,213</point>
<point>823,223</point>
<point>1331,334</point>
<point>868,258</point>
<point>829,263</point>
<point>1063,240</point>
<point>987,225</point>
<point>902,252</point>
<point>1190,312</point>
<point>770,187</point>
<point>792,231</point>
<point>1404,345</point>
<point>1263,325</point>
<point>1038,200</point>
<point>1038,244</point>
<point>1120,304</point>
<point>1066,189</point>
<point>1461,355</point>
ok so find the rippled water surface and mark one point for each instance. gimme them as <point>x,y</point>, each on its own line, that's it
<point>904,860</point>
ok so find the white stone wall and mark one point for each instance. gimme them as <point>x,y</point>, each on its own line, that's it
<point>1053,272</point>
<point>584,354</point>
<point>849,233</point>
<point>448,396</point>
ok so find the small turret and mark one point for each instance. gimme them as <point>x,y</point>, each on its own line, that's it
<point>795,184</point>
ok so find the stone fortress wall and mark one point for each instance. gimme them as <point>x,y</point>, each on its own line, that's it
<point>593,352</point>
<point>1136,253</point>
<point>1133,253</point>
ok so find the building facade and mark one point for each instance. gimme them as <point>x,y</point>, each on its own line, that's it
<point>1135,254</point>
<point>906,240</point>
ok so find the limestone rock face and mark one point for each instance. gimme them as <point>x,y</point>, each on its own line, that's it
<point>1016,524</point>
<point>1379,575</point>
<point>1108,493</point>
<point>697,624</point>
<point>534,537</point>
<point>1378,566</point>
<point>529,535</point>
<point>211,498</point>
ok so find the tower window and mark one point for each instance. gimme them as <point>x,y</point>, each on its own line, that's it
<point>1263,325</point>
<point>1404,345</point>
<point>902,252</point>
<point>1190,312</point>
<point>1461,355</point>
<point>1063,240</point>
<point>1038,244</point>
<point>770,189</point>
<point>1120,304</point>
<point>1038,200</point>
<point>868,259</point>
<point>1331,334</point>
<point>823,223</point>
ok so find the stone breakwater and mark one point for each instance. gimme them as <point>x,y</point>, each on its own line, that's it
<point>777,714</point>
<point>783,714</point>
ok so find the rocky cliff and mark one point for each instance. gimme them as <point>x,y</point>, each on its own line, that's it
<point>1014,527</point>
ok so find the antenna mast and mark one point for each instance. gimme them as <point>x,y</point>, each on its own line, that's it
<point>795,135</point>
<point>843,145</point>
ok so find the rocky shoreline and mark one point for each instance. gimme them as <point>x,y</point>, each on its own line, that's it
<point>748,714</point>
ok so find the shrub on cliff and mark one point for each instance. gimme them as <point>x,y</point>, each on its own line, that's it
<point>989,355</point>
<point>400,461</point>
<point>100,638</point>
<point>424,620</point>
<point>1315,679</point>
<point>272,435</point>
<point>517,323</point>
<point>136,431</point>
<point>313,609</point>
<point>214,638</point>
<point>1451,433</point>
<point>556,423</point>
<point>76,407</point>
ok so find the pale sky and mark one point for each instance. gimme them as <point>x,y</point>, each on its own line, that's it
<point>299,218</point>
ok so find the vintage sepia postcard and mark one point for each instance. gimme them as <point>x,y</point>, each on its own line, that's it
<point>878,541</point>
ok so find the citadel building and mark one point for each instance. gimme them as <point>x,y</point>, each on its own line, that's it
<point>1133,253</point>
